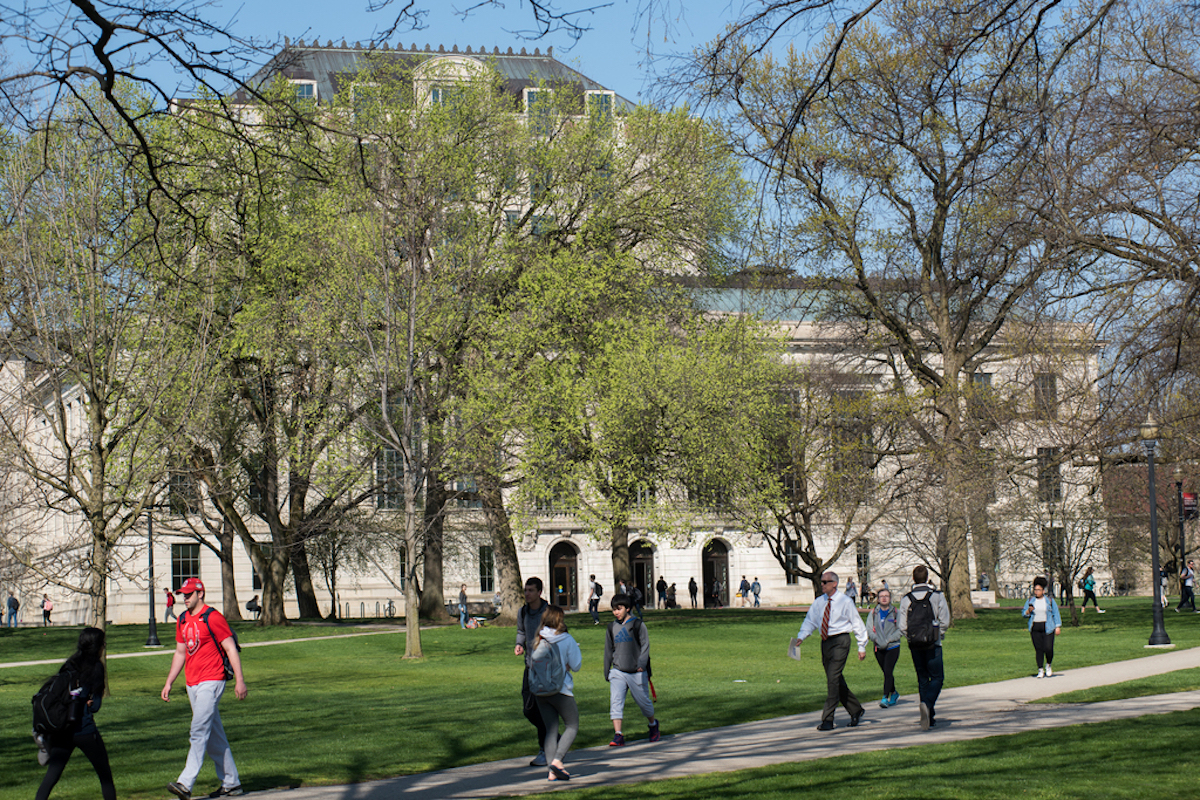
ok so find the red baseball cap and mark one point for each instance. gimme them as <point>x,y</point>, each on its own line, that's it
<point>191,585</point>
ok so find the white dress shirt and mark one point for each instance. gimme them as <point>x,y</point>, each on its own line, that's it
<point>843,618</point>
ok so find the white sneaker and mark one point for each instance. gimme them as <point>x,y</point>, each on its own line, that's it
<point>1049,671</point>
<point>1100,610</point>
<point>1041,673</point>
<point>43,755</point>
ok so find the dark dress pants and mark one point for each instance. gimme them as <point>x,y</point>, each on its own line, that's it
<point>834,652</point>
<point>930,675</point>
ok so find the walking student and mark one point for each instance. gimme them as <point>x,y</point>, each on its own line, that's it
<point>87,678</point>
<point>561,705</point>
<point>203,642</point>
<point>169,614</point>
<point>627,668</point>
<point>1187,580</point>
<point>1088,584</point>
<point>594,595</point>
<point>462,606</point>
<point>47,607</point>
<point>1044,624</point>
<point>833,615</point>
<point>924,618</point>
<point>883,626</point>
<point>529,622</point>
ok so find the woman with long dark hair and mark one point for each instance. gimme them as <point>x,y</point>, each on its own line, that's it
<point>1044,624</point>
<point>82,734</point>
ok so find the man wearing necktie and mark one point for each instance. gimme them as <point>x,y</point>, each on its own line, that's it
<point>834,616</point>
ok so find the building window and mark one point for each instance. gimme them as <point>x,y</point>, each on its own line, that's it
<point>389,475</point>
<point>466,493</point>
<point>403,555</point>
<point>255,579</point>
<point>1045,395</point>
<point>306,91</point>
<point>863,562</point>
<point>600,110</point>
<point>852,440</point>
<point>185,563</point>
<point>792,555</point>
<point>539,108</point>
<point>981,393</point>
<point>183,493</point>
<point>1054,549</point>
<point>487,569</point>
<point>445,95</point>
<point>1049,480</point>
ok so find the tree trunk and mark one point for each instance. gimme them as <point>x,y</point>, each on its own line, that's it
<point>981,540</point>
<point>433,595</point>
<point>622,567</point>
<point>306,593</point>
<point>98,585</point>
<point>508,568</point>
<point>230,607</point>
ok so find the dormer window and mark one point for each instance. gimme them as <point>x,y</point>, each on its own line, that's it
<point>599,106</point>
<point>306,91</point>
<point>444,95</point>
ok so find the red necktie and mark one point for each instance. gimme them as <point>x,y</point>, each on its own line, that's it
<point>825,621</point>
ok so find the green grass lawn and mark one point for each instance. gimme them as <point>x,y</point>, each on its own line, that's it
<point>343,710</point>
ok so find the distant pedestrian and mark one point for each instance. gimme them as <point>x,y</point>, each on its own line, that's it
<point>462,606</point>
<point>1088,585</point>
<point>203,643</point>
<point>661,587</point>
<point>254,607</point>
<point>54,750</point>
<point>984,582</point>
<point>562,705</point>
<point>497,602</point>
<point>672,602</point>
<point>883,626</point>
<point>852,591</point>
<point>756,590</point>
<point>834,617</point>
<point>639,600</point>
<point>47,607</point>
<point>693,590</point>
<point>529,622</point>
<point>1044,624</point>
<point>169,614</point>
<point>924,618</point>
<point>594,594</point>
<point>627,668</point>
<point>1163,578</point>
<point>1187,578</point>
<point>13,605</point>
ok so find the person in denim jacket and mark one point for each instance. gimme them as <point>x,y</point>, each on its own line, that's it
<point>1044,624</point>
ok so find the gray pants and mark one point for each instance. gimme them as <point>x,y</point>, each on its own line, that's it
<point>637,684</point>
<point>553,708</point>
<point>208,736</point>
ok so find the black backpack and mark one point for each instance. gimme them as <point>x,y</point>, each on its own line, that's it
<point>923,630</point>
<point>54,708</point>
<point>229,673</point>
<point>599,590</point>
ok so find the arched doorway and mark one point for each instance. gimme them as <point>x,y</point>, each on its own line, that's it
<point>641,559</point>
<point>564,576</point>
<point>715,564</point>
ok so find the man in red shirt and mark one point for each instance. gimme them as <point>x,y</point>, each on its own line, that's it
<point>198,653</point>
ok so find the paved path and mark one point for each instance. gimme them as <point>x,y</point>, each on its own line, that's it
<point>968,712</point>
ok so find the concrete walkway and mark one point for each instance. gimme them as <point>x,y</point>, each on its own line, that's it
<point>969,712</point>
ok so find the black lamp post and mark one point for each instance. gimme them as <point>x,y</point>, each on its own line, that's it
<point>1179,496</point>
<point>152,639</point>
<point>1149,434</point>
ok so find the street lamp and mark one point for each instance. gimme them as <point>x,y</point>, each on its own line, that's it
<point>1149,434</point>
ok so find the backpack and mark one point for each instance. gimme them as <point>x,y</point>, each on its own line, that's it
<point>922,623</point>
<point>54,705</point>
<point>229,673</point>
<point>599,590</point>
<point>546,670</point>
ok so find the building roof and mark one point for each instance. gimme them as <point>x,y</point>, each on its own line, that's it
<point>330,65</point>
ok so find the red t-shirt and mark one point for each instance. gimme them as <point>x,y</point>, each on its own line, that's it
<point>204,662</point>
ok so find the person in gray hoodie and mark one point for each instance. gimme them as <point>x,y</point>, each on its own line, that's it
<point>926,656</point>
<point>562,705</point>
<point>627,667</point>
<point>883,627</point>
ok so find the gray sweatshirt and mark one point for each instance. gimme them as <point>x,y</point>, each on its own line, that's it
<point>627,646</point>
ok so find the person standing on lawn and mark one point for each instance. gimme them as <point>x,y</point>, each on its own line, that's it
<point>562,705</point>
<point>529,622</point>
<point>834,616</point>
<point>169,614</point>
<point>1044,624</point>
<point>54,750</point>
<point>661,588</point>
<point>693,590</point>
<point>462,606</point>
<point>594,599</point>
<point>203,642</point>
<point>883,626</point>
<point>47,607</point>
<point>744,591</point>
<point>924,618</point>
<point>756,590</point>
<point>627,668</point>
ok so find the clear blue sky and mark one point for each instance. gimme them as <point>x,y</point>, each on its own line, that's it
<point>623,51</point>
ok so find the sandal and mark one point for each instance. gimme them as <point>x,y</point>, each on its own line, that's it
<point>560,774</point>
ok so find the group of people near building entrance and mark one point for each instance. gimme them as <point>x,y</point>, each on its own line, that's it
<point>208,654</point>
